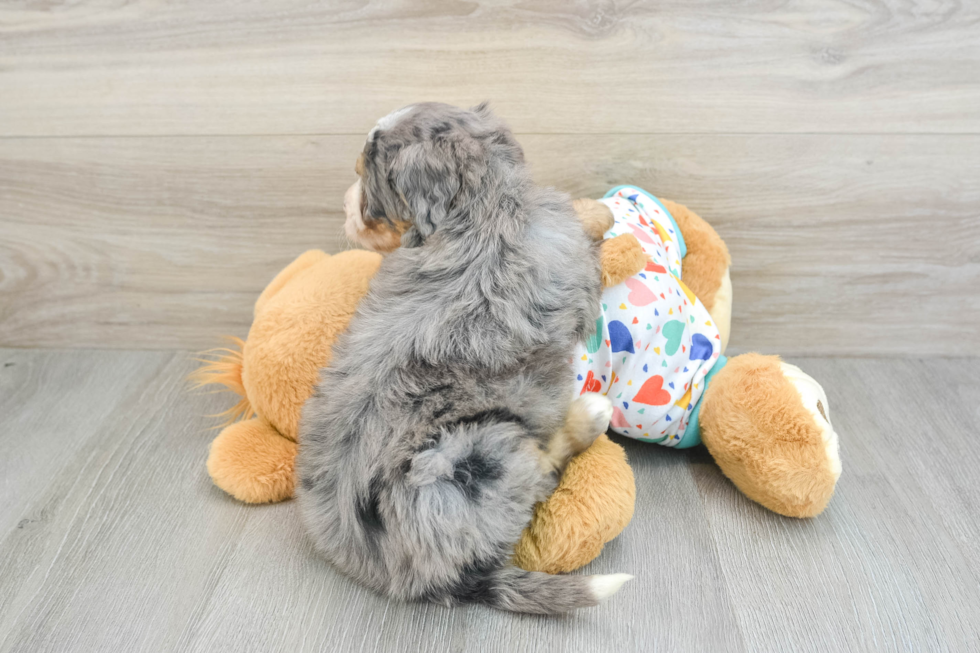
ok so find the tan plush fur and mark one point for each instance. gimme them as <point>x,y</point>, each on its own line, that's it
<point>253,462</point>
<point>596,217</point>
<point>764,440</point>
<point>291,337</point>
<point>591,506</point>
<point>621,257</point>
<point>297,318</point>
<point>226,370</point>
<point>707,256</point>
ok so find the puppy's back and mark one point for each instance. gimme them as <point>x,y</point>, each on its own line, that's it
<point>419,453</point>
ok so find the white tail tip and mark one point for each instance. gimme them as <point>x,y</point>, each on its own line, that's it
<point>606,585</point>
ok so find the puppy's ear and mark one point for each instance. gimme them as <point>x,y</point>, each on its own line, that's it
<point>482,109</point>
<point>433,176</point>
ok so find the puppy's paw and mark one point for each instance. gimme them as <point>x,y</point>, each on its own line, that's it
<point>588,418</point>
<point>598,409</point>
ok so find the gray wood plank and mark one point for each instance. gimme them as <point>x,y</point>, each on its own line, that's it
<point>856,245</point>
<point>53,409</point>
<point>327,67</point>
<point>139,552</point>
<point>884,568</point>
<point>122,547</point>
<point>50,415</point>
<point>945,407</point>
<point>136,550</point>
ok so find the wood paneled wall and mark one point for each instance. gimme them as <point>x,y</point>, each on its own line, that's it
<point>159,163</point>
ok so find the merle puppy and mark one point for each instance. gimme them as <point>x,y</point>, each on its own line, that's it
<point>445,414</point>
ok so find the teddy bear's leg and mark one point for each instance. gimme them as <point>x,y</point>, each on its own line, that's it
<point>592,504</point>
<point>705,267</point>
<point>303,262</point>
<point>252,462</point>
<point>767,425</point>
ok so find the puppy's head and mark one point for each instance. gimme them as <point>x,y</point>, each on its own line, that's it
<point>418,165</point>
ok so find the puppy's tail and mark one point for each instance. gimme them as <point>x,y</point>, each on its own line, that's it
<point>515,590</point>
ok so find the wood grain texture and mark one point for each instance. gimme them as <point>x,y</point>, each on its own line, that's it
<point>296,66</point>
<point>890,532</point>
<point>116,540</point>
<point>857,244</point>
<point>123,242</point>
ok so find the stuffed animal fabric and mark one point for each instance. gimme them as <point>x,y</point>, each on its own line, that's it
<point>655,342</point>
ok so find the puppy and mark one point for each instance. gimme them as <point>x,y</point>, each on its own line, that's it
<point>444,416</point>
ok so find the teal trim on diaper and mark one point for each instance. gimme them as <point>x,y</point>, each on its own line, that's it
<point>692,434</point>
<point>677,231</point>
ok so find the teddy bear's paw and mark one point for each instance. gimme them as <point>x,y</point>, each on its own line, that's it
<point>596,217</point>
<point>598,410</point>
<point>252,462</point>
<point>815,401</point>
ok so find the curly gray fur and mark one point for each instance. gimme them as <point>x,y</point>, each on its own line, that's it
<point>418,464</point>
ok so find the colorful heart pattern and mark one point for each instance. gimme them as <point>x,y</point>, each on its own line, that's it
<point>620,337</point>
<point>591,383</point>
<point>618,420</point>
<point>674,332</point>
<point>652,392</point>
<point>640,293</point>
<point>654,341</point>
<point>701,348</point>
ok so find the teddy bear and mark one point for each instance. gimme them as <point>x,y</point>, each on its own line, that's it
<point>765,422</point>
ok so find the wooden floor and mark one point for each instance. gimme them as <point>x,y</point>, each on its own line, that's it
<point>114,539</point>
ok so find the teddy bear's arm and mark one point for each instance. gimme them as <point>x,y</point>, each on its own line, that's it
<point>621,257</point>
<point>596,217</point>
<point>705,267</point>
